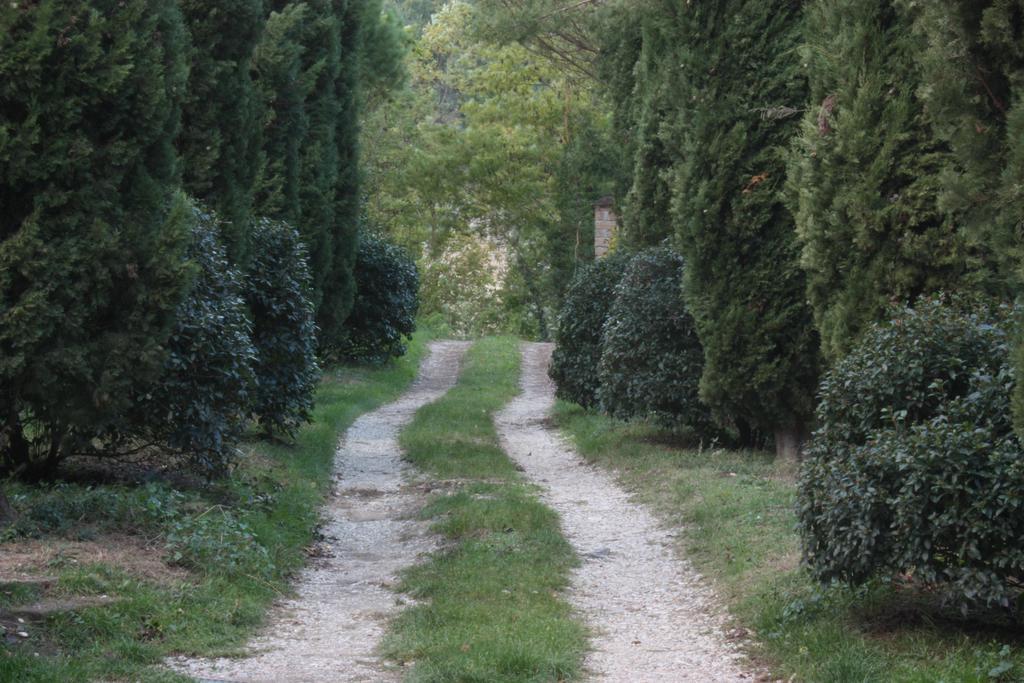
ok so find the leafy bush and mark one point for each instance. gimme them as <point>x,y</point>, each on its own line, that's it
<point>387,298</point>
<point>915,467</point>
<point>199,405</point>
<point>284,331</point>
<point>651,358</point>
<point>578,337</point>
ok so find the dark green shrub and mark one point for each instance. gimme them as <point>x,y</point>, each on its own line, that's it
<point>387,298</point>
<point>199,406</point>
<point>651,358</point>
<point>578,337</point>
<point>91,230</point>
<point>277,290</point>
<point>915,467</point>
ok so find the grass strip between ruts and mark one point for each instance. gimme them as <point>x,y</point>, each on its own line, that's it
<point>491,605</point>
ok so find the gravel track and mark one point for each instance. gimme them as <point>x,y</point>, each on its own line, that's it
<point>654,618</point>
<point>330,629</point>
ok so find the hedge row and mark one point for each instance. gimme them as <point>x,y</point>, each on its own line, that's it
<point>626,344</point>
<point>130,315</point>
<point>818,163</point>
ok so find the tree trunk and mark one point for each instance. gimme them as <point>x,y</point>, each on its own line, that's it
<point>789,442</point>
<point>7,513</point>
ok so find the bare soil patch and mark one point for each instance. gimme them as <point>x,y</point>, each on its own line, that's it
<point>35,559</point>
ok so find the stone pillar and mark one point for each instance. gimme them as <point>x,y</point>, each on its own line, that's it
<point>605,222</point>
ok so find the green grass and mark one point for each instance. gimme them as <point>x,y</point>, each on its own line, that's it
<point>491,606</point>
<point>274,497</point>
<point>737,509</point>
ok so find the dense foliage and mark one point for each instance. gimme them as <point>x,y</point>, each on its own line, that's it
<point>915,467</point>
<point>972,72</point>
<point>651,358</point>
<point>219,142</point>
<point>200,403</point>
<point>490,145</point>
<point>277,291</point>
<point>707,99</point>
<point>387,300</point>
<point>113,337</point>
<point>577,353</point>
<point>91,229</point>
<point>867,205</point>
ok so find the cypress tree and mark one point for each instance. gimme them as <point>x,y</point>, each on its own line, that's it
<point>282,90</point>
<point>733,66</point>
<point>864,173</point>
<point>309,67</point>
<point>973,73</point>
<point>340,286</point>
<point>646,220</point>
<point>92,231</point>
<point>220,137</point>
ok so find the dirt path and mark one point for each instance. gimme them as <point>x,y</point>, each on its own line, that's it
<point>329,631</point>
<point>654,617</point>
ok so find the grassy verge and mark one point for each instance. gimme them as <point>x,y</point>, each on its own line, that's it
<point>491,608</point>
<point>737,508</point>
<point>239,542</point>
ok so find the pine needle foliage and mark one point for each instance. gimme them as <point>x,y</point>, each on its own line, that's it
<point>972,63</point>
<point>729,62</point>
<point>865,173</point>
<point>220,137</point>
<point>92,231</point>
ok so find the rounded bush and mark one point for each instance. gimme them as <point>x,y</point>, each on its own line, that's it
<point>578,337</point>
<point>651,358</point>
<point>284,329</point>
<point>200,403</point>
<point>387,299</point>
<point>915,467</point>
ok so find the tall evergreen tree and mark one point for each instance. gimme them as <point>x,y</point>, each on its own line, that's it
<point>732,63</point>
<point>283,88</point>
<point>308,65</point>
<point>339,291</point>
<point>647,221</point>
<point>92,231</point>
<point>220,136</point>
<point>973,85</point>
<point>864,173</point>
